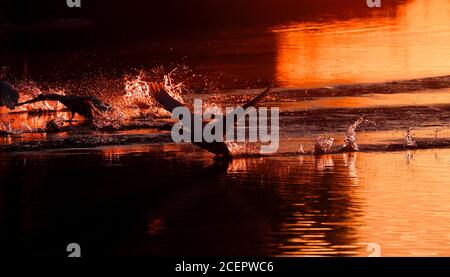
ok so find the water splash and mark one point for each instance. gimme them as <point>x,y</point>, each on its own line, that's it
<point>55,125</point>
<point>351,136</point>
<point>112,119</point>
<point>323,145</point>
<point>410,140</point>
<point>174,90</point>
<point>136,89</point>
<point>138,101</point>
<point>301,150</point>
<point>26,128</point>
<point>29,90</point>
<point>7,128</point>
<point>237,149</point>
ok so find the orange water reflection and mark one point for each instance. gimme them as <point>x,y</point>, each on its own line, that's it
<point>406,206</point>
<point>418,98</point>
<point>339,203</point>
<point>329,205</point>
<point>416,43</point>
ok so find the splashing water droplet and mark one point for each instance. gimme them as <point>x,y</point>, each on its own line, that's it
<point>26,128</point>
<point>410,139</point>
<point>174,90</point>
<point>242,148</point>
<point>323,145</point>
<point>351,137</point>
<point>301,150</point>
<point>55,125</point>
<point>111,119</point>
<point>138,99</point>
<point>29,90</point>
<point>6,127</point>
<point>137,89</point>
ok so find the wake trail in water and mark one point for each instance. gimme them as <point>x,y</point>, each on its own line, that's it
<point>428,83</point>
<point>135,108</point>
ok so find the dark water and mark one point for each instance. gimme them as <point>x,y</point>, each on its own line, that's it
<point>161,200</point>
<point>121,187</point>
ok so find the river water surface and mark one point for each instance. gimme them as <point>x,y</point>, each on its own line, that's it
<point>122,187</point>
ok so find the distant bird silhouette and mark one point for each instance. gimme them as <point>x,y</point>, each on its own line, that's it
<point>82,105</point>
<point>8,96</point>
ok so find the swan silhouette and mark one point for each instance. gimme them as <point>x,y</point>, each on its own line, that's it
<point>219,148</point>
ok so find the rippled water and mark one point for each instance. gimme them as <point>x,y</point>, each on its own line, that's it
<point>155,200</point>
<point>411,42</point>
<point>126,189</point>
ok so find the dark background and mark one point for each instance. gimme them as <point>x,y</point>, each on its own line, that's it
<point>224,39</point>
<point>113,17</point>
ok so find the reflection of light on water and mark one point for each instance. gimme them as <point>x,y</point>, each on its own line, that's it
<point>423,98</point>
<point>339,203</point>
<point>113,154</point>
<point>350,163</point>
<point>409,156</point>
<point>413,44</point>
<point>308,210</point>
<point>324,163</point>
<point>405,204</point>
<point>241,165</point>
